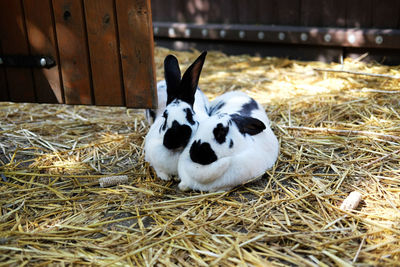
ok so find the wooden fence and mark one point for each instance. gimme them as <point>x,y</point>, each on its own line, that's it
<point>283,27</point>
<point>77,52</point>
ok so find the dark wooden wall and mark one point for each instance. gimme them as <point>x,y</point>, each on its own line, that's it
<point>299,29</point>
<point>379,14</point>
<point>103,51</point>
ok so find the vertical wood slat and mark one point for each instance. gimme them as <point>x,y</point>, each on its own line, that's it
<point>386,14</point>
<point>72,44</point>
<point>103,49</point>
<point>14,41</point>
<point>3,81</point>
<point>327,13</point>
<point>41,35</point>
<point>359,14</point>
<point>136,48</point>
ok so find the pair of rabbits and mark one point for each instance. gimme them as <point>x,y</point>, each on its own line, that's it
<point>210,146</point>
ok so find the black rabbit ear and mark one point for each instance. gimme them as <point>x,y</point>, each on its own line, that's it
<point>172,75</point>
<point>190,79</point>
<point>248,125</point>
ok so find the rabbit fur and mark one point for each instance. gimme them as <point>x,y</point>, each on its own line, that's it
<point>185,106</point>
<point>234,145</point>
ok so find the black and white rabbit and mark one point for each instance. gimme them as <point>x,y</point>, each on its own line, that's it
<point>234,145</point>
<point>172,129</point>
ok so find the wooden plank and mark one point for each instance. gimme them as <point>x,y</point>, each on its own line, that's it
<point>72,44</point>
<point>104,55</point>
<point>3,81</point>
<point>14,41</point>
<point>247,11</point>
<point>359,14</point>
<point>327,13</point>
<point>267,12</point>
<point>41,35</point>
<point>386,14</point>
<point>288,12</point>
<point>137,52</point>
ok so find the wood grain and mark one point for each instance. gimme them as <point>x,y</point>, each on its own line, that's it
<point>103,49</point>
<point>41,35</point>
<point>72,44</point>
<point>14,41</point>
<point>137,52</point>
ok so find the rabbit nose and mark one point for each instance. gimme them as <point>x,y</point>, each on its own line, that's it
<point>177,136</point>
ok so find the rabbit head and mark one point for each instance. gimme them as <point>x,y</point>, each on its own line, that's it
<point>222,136</point>
<point>179,118</point>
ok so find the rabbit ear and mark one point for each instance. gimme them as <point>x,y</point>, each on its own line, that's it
<point>190,80</point>
<point>172,75</point>
<point>248,125</point>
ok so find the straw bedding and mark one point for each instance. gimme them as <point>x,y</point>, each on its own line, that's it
<point>339,132</point>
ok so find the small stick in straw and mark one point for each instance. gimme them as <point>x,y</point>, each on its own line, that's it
<point>358,73</point>
<point>351,202</point>
<point>113,180</point>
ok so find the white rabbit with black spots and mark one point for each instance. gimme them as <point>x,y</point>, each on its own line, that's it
<point>179,120</point>
<point>234,145</point>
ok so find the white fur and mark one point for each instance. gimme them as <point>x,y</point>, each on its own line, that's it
<point>250,156</point>
<point>163,160</point>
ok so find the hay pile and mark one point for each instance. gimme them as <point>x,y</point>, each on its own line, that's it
<point>339,132</point>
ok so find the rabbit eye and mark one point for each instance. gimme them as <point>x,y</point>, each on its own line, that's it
<point>165,115</point>
<point>189,116</point>
<point>220,133</point>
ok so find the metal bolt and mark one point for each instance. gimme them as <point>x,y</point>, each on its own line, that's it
<point>379,39</point>
<point>222,33</point>
<point>304,36</point>
<point>43,62</point>
<point>155,31</point>
<point>204,32</point>
<point>260,35</point>
<point>242,34</point>
<point>351,38</point>
<point>1,61</point>
<point>187,32</point>
<point>281,36</point>
<point>171,32</point>
<point>327,37</point>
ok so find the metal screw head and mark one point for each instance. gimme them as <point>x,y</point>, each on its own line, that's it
<point>204,32</point>
<point>187,32</point>
<point>222,33</point>
<point>242,34</point>
<point>379,39</point>
<point>281,36</point>
<point>351,38</point>
<point>260,35</point>
<point>171,32</point>
<point>327,37</point>
<point>43,62</point>
<point>304,36</point>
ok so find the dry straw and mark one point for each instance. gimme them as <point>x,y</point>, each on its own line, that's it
<point>338,133</point>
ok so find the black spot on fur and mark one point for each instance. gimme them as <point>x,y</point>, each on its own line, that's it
<point>220,133</point>
<point>231,144</point>
<point>217,107</point>
<point>177,136</point>
<point>165,116</point>
<point>202,153</point>
<point>248,125</point>
<point>248,108</point>
<point>189,116</point>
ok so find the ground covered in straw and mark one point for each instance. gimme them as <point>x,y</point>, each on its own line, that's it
<point>339,132</point>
